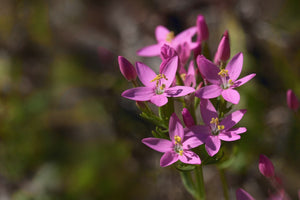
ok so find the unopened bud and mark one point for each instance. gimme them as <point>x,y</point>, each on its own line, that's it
<point>187,118</point>
<point>127,69</point>
<point>265,166</point>
<point>223,52</point>
<point>243,195</point>
<point>202,29</point>
<point>292,100</point>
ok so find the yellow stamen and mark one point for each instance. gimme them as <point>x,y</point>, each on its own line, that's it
<point>181,152</point>
<point>223,73</point>
<point>162,87</point>
<point>183,76</point>
<point>158,77</point>
<point>170,36</point>
<point>214,121</point>
<point>230,82</point>
<point>177,139</point>
<point>221,127</point>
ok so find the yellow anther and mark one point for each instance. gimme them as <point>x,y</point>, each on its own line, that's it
<point>223,73</point>
<point>221,127</point>
<point>183,76</point>
<point>162,87</point>
<point>177,139</point>
<point>181,152</point>
<point>214,121</point>
<point>170,36</point>
<point>158,77</point>
<point>230,82</point>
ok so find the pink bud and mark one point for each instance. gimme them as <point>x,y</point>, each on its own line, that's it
<point>197,50</point>
<point>202,30</point>
<point>243,195</point>
<point>167,52</point>
<point>127,69</point>
<point>223,52</point>
<point>265,166</point>
<point>187,118</point>
<point>292,100</point>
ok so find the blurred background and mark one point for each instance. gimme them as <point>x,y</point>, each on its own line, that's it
<point>65,130</point>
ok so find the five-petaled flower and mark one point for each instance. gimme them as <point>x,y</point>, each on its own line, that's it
<point>223,80</point>
<point>157,86</point>
<point>165,36</point>
<point>215,129</point>
<point>178,148</point>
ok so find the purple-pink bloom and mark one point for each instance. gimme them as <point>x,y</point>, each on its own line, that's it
<point>165,36</point>
<point>202,29</point>
<point>127,69</point>
<point>157,86</point>
<point>215,129</point>
<point>265,166</point>
<point>223,52</point>
<point>243,195</point>
<point>178,147</point>
<point>292,100</point>
<point>224,81</point>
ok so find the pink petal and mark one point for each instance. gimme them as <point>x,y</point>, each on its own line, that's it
<point>235,66</point>
<point>169,70</point>
<point>145,74</point>
<point>139,93</point>
<point>243,80</point>
<point>190,157</point>
<point>208,69</point>
<point>168,158</point>
<point>292,100</point>
<point>243,195</point>
<point>149,51</point>
<point>201,132</point>
<point>265,166</point>
<point>161,33</point>
<point>231,95</point>
<point>212,145</point>
<point>161,145</point>
<point>229,136</point>
<point>185,36</point>
<point>208,111</point>
<point>192,142</point>
<point>238,130</point>
<point>232,119</point>
<point>175,128</point>
<point>179,91</point>
<point>159,100</point>
<point>209,92</point>
<point>187,117</point>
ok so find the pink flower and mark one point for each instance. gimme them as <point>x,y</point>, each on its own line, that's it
<point>157,86</point>
<point>164,36</point>
<point>292,100</point>
<point>223,52</point>
<point>243,195</point>
<point>216,130</point>
<point>127,68</point>
<point>179,146</point>
<point>265,166</point>
<point>223,81</point>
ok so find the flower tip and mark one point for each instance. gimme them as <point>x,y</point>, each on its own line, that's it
<point>243,195</point>
<point>127,69</point>
<point>223,52</point>
<point>292,100</point>
<point>265,166</point>
<point>202,29</point>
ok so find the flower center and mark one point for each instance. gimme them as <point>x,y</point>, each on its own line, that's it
<point>178,146</point>
<point>160,87</point>
<point>225,81</point>
<point>170,36</point>
<point>215,127</point>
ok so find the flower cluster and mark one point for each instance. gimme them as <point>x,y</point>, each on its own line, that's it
<point>188,78</point>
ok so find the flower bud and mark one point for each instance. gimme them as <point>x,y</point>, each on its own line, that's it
<point>197,50</point>
<point>202,29</point>
<point>292,100</point>
<point>265,166</point>
<point>187,118</point>
<point>223,52</point>
<point>167,52</point>
<point>127,69</point>
<point>243,195</point>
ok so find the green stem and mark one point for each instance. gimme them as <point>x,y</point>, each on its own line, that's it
<point>199,183</point>
<point>188,183</point>
<point>224,183</point>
